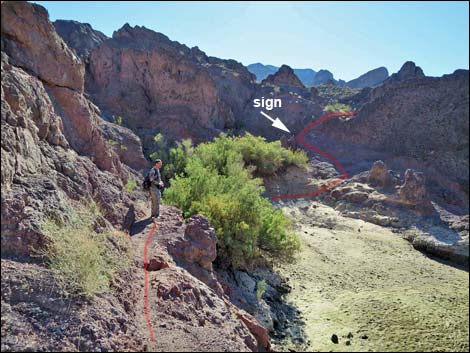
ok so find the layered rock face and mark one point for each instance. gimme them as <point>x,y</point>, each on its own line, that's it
<point>54,151</point>
<point>157,85</point>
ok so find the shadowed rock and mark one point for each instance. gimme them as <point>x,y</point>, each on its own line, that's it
<point>379,175</point>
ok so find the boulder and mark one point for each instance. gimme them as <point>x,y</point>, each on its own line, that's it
<point>379,175</point>
<point>196,250</point>
<point>413,190</point>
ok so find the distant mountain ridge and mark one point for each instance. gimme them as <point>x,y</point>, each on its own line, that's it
<point>263,71</point>
<point>310,77</point>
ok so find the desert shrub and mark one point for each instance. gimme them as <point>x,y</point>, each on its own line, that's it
<point>173,155</point>
<point>267,157</point>
<point>218,182</point>
<point>260,289</point>
<point>83,261</point>
<point>131,185</point>
<point>117,120</point>
<point>112,142</point>
<point>334,93</point>
<point>337,107</point>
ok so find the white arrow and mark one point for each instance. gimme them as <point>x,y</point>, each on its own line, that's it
<point>276,123</point>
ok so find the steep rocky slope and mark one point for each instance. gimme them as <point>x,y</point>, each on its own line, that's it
<point>159,85</point>
<point>54,146</point>
<point>186,307</point>
<point>285,76</point>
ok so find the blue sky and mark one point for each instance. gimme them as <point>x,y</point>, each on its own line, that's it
<point>347,38</point>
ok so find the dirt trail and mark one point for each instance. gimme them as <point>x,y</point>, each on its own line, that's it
<point>139,234</point>
<point>359,278</point>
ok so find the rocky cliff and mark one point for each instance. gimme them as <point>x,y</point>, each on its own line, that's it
<point>158,85</point>
<point>80,37</point>
<point>54,146</point>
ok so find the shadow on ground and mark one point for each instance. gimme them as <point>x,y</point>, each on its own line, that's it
<point>139,226</point>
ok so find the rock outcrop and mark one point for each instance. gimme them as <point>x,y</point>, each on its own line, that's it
<point>80,37</point>
<point>32,44</point>
<point>383,197</point>
<point>379,175</point>
<point>188,293</point>
<point>371,78</point>
<point>409,71</point>
<point>418,122</point>
<point>285,76</point>
<point>413,190</point>
<point>54,151</point>
<point>196,251</point>
<point>322,77</point>
<point>158,85</point>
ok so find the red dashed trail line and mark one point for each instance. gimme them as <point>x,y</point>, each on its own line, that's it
<point>299,138</point>
<point>146,283</point>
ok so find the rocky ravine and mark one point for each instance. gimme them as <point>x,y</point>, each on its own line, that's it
<point>60,147</point>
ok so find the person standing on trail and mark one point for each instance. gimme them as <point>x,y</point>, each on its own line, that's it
<point>156,185</point>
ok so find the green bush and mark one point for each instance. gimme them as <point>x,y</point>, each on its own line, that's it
<point>267,157</point>
<point>131,185</point>
<point>173,155</point>
<point>260,289</point>
<point>337,107</point>
<point>112,142</point>
<point>83,261</point>
<point>218,182</point>
<point>334,93</point>
<point>117,120</point>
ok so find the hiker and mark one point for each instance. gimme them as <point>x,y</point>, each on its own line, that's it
<point>156,185</point>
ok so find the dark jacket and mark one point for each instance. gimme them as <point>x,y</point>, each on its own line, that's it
<point>155,177</point>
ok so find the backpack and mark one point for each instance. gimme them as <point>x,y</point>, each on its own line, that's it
<point>147,183</point>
